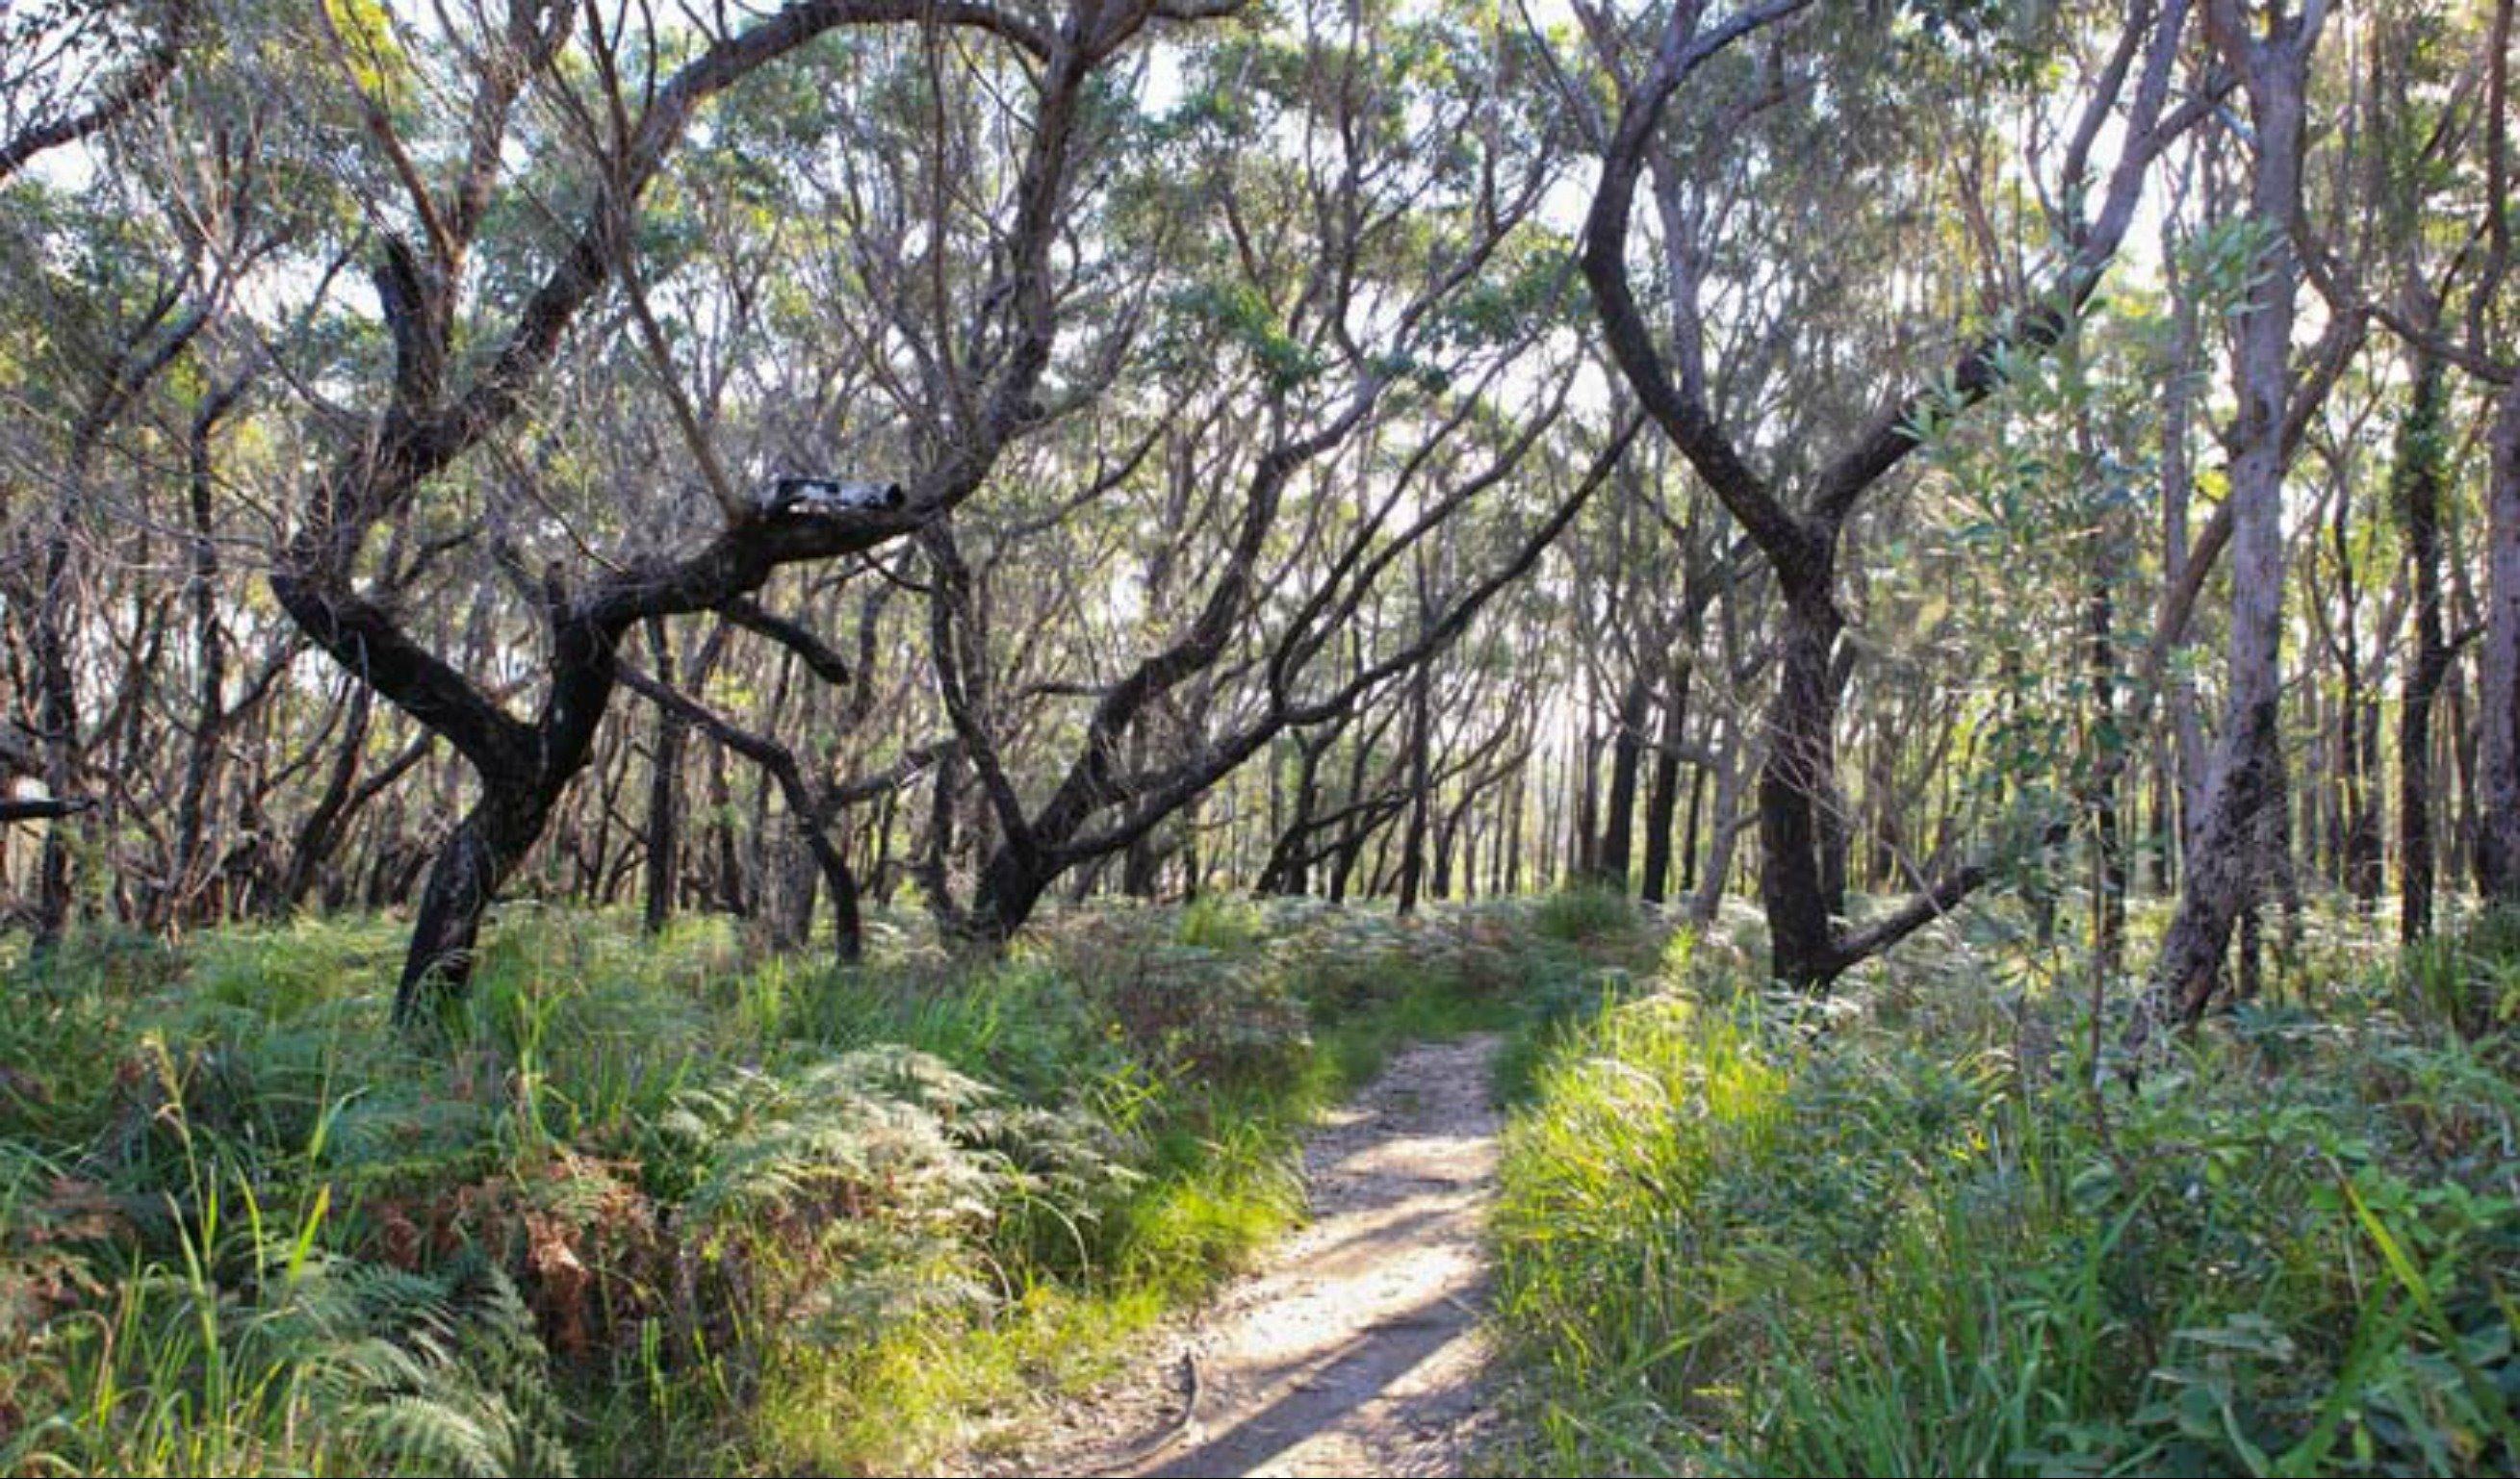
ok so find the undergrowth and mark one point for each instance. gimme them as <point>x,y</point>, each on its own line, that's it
<point>651,1205</point>
<point>1911,1232</point>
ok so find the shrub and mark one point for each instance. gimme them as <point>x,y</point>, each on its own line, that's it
<point>1584,913</point>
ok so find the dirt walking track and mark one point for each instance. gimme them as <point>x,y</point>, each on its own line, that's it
<point>1355,1348</point>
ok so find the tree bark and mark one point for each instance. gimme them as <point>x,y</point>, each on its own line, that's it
<point>2498,764</point>
<point>1730,769</point>
<point>664,784</point>
<point>1627,760</point>
<point>1801,758</point>
<point>2240,782</point>
<point>1663,800</point>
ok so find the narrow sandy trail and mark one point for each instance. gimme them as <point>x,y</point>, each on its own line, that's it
<point>1355,1348</point>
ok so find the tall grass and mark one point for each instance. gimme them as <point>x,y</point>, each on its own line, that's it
<point>1914,1240</point>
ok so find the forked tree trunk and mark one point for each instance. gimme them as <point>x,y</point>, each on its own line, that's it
<point>2226,853</point>
<point>1801,822</point>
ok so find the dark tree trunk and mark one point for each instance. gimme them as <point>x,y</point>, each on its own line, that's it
<point>2365,857</point>
<point>1583,838</point>
<point>1010,886</point>
<point>2353,849</point>
<point>2108,917</point>
<point>2416,472</point>
<point>1690,829</point>
<point>1288,869</point>
<point>1141,863</point>
<point>56,728</point>
<point>732,895</point>
<point>664,778</point>
<point>1829,801</point>
<point>1662,797</point>
<point>476,863</point>
<point>1627,758</point>
<point>848,926</point>
<point>1802,757</point>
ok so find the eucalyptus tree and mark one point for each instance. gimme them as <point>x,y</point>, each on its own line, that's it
<point>1692,152</point>
<point>1374,256</point>
<point>484,270</point>
<point>2273,60</point>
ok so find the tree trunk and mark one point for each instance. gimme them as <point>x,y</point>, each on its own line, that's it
<point>1663,800</point>
<point>2241,780</point>
<point>664,778</point>
<point>1688,830</point>
<point>2109,916</point>
<point>57,726</point>
<point>2366,855</point>
<point>2416,472</point>
<point>731,896</point>
<point>475,864</point>
<point>848,925</point>
<point>1413,847</point>
<point>1627,757</point>
<point>209,660</point>
<point>792,883</point>
<point>1583,838</point>
<point>317,835</point>
<point>2497,770</point>
<point>1288,871</point>
<point>1510,835</point>
<point>1730,769</point>
<point>1802,757</point>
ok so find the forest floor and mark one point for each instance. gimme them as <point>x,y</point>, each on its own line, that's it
<point>1354,1348</point>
